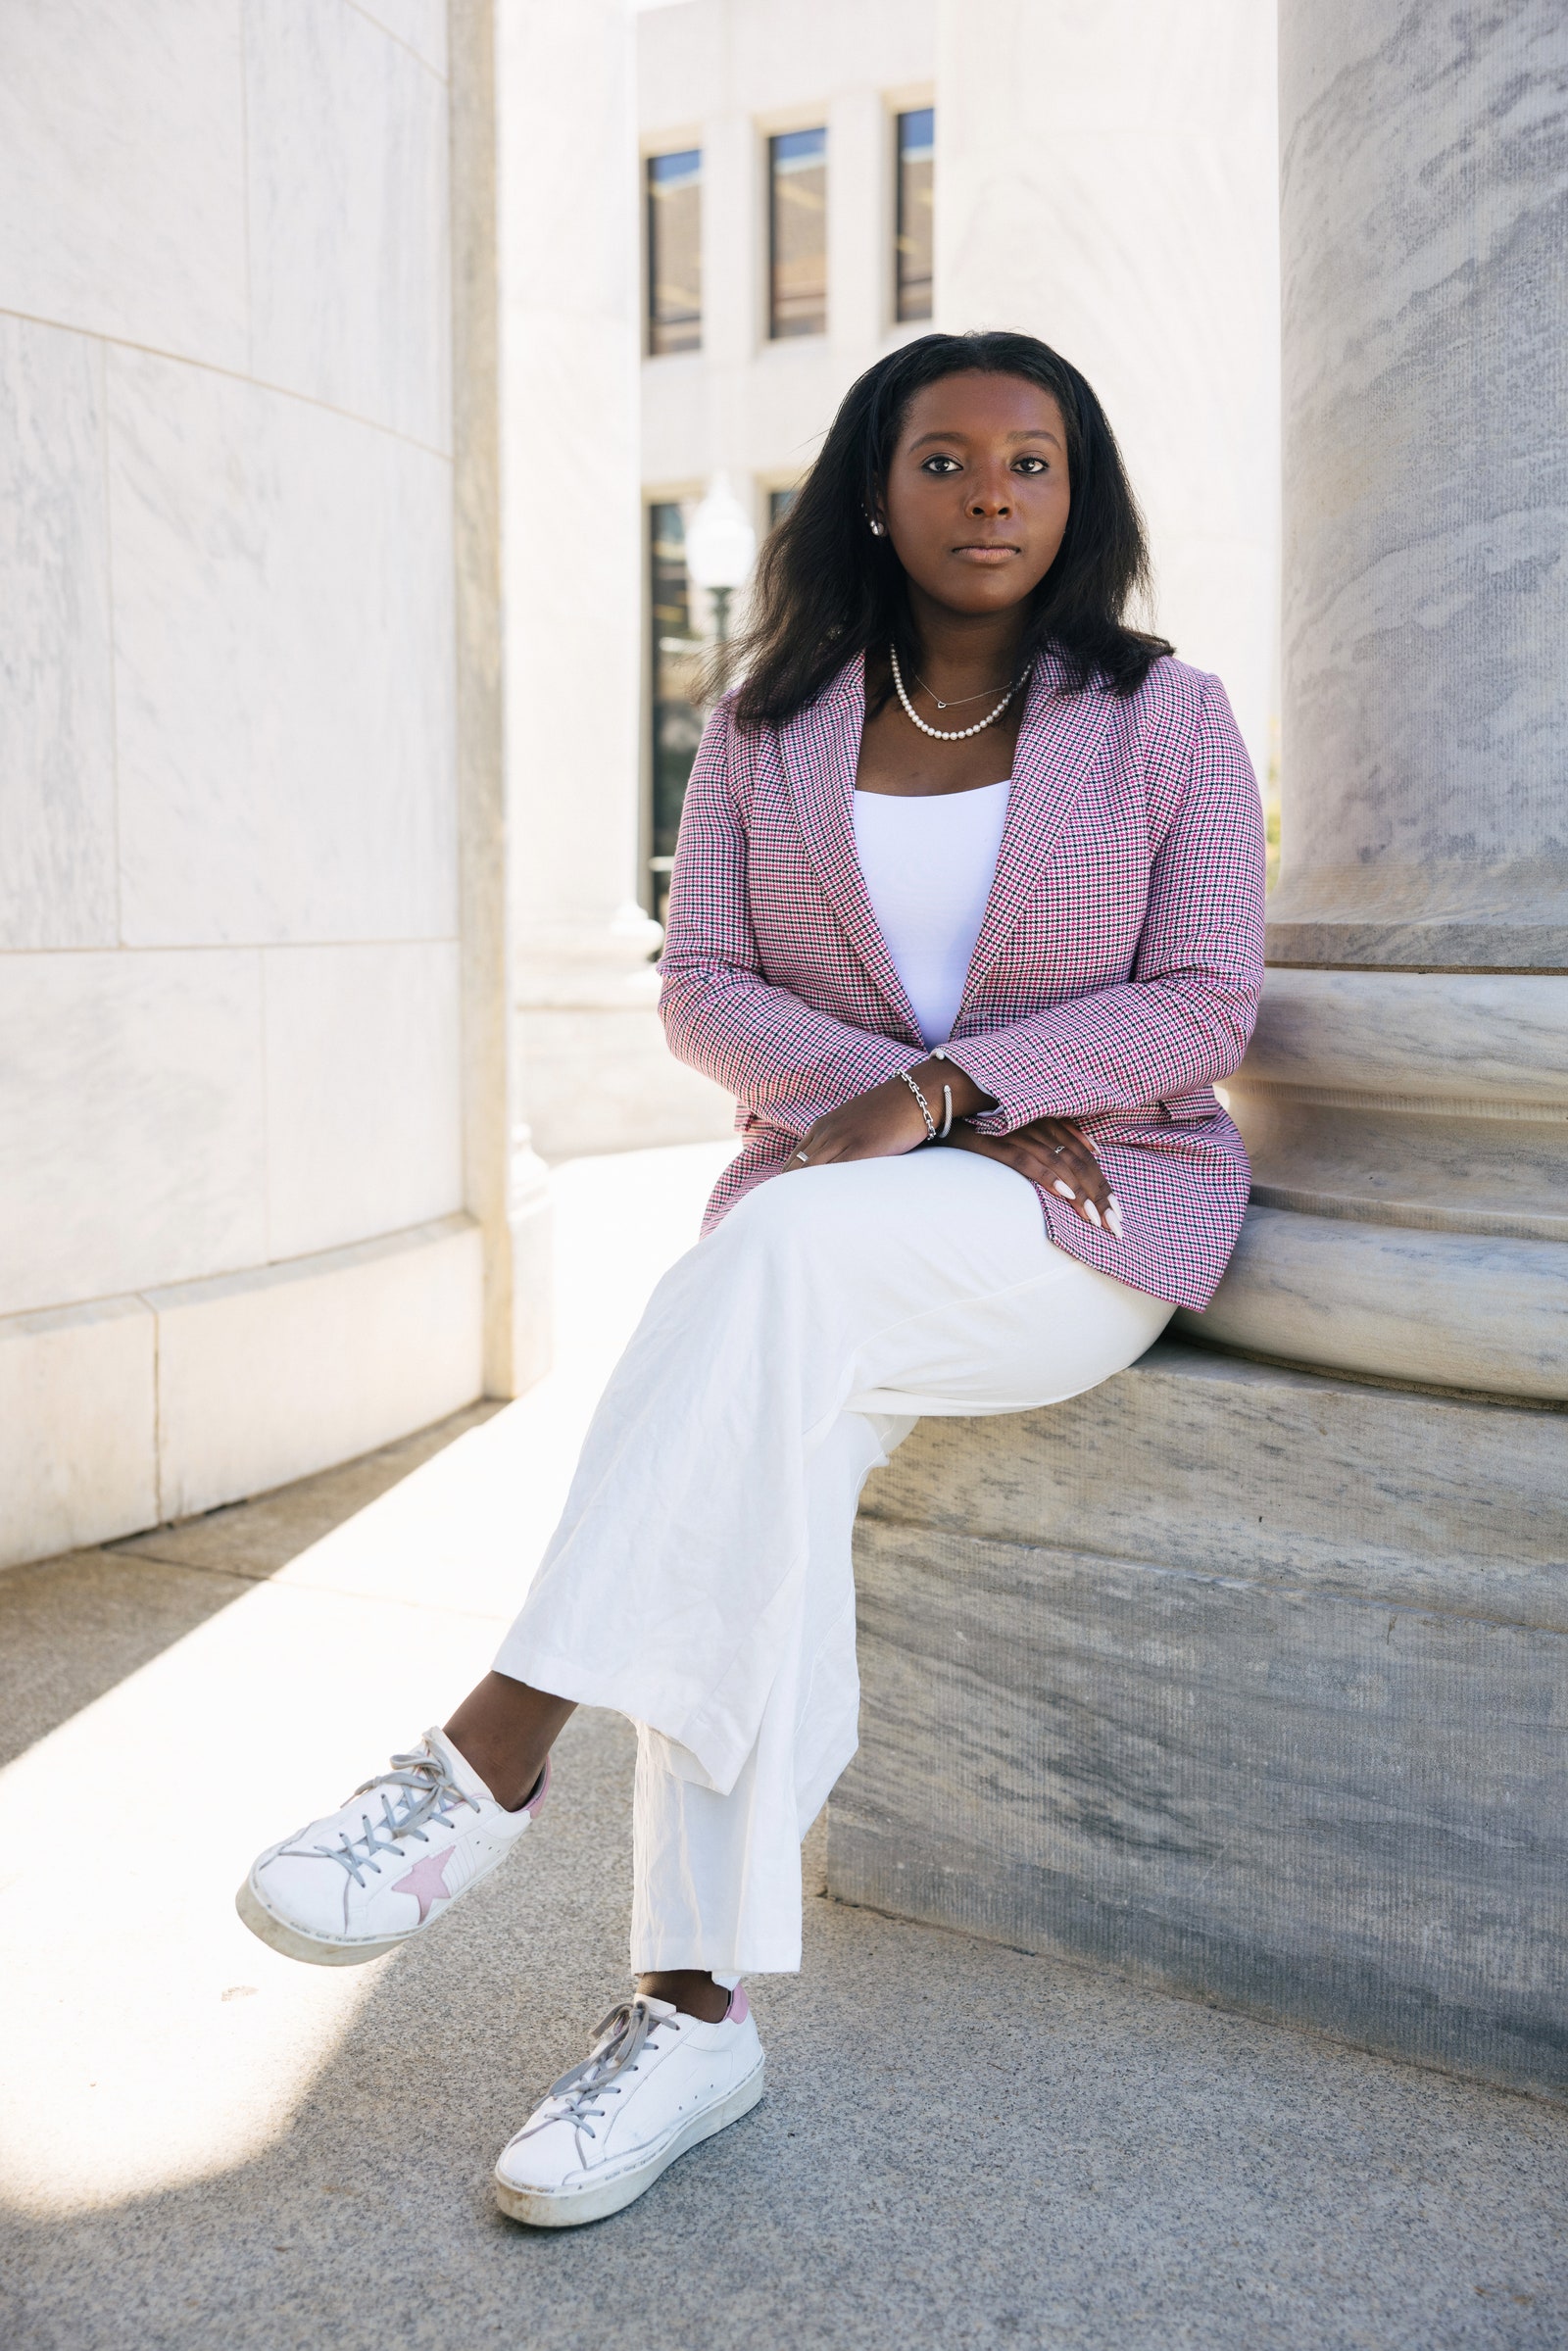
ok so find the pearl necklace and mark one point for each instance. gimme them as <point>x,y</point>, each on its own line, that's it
<point>950,734</point>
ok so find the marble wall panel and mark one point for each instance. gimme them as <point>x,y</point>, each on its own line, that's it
<point>123,171</point>
<point>130,1122</point>
<point>364,1107</point>
<point>267,1376</point>
<point>284,668</point>
<point>76,1428</point>
<point>347,159</point>
<point>57,754</point>
<point>420,25</point>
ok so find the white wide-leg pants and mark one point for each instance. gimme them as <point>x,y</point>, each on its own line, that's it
<point>699,1579</point>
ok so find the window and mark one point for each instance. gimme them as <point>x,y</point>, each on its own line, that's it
<point>796,180</point>
<point>779,502</point>
<point>911,287</point>
<point>675,252</point>
<point>677,718</point>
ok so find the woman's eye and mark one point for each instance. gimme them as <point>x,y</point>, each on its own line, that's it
<point>940,465</point>
<point>1030,465</point>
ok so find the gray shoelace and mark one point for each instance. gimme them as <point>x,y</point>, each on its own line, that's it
<point>618,2045</point>
<point>427,1792</point>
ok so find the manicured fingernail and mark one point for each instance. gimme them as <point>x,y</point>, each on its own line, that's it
<point>1091,1211</point>
<point>1066,1190</point>
<point>1113,1219</point>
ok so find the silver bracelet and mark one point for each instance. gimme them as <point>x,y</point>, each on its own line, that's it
<point>939,1053</point>
<point>925,1107</point>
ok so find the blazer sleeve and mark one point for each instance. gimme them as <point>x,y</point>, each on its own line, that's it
<point>787,1063</point>
<point>1184,1017</point>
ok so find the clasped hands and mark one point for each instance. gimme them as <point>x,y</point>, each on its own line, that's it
<point>886,1121</point>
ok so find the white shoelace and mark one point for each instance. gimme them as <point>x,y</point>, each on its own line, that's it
<point>429,1793</point>
<point>618,2045</point>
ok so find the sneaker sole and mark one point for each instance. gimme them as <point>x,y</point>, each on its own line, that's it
<point>313,1949</point>
<point>548,2208</point>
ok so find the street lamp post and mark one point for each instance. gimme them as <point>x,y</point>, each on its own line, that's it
<point>720,549</point>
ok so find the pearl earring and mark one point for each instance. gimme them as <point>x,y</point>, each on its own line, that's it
<point>878,529</point>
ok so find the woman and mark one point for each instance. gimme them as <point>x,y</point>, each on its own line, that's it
<point>967,912</point>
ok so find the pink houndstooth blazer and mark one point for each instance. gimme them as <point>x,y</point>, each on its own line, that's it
<point>1116,977</point>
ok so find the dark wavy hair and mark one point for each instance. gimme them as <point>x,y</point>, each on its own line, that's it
<point>826,588</point>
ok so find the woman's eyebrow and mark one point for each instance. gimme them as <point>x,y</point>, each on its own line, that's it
<point>1036,433</point>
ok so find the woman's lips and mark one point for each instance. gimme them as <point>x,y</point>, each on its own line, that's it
<point>986,553</point>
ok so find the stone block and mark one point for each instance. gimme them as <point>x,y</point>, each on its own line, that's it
<point>420,25</point>
<point>351,299</point>
<point>285,676</point>
<point>271,1375</point>
<point>1250,1682</point>
<point>77,1460</point>
<point>57,748</point>
<point>131,1146</point>
<point>123,173</point>
<point>363,1115</point>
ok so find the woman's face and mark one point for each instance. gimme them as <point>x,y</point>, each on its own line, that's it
<point>976,496</point>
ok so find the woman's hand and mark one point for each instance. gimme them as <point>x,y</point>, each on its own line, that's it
<point>1055,1153</point>
<point>877,1125</point>
<point>887,1120</point>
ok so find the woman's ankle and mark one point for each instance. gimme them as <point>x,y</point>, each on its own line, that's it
<point>505,1730</point>
<point>690,1990</point>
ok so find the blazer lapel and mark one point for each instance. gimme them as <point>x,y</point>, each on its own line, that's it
<point>820,747</point>
<point>1058,739</point>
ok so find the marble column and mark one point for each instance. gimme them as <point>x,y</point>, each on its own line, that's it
<point>1110,187</point>
<point>1247,1673</point>
<point>596,1073</point>
<point>1406,1097</point>
<point>505,1180</point>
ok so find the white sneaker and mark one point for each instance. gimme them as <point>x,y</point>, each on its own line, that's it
<point>370,1875</point>
<point>655,2083</point>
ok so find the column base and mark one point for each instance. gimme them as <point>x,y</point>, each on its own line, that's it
<point>604,1080</point>
<point>1482,1311</point>
<point>1245,1680</point>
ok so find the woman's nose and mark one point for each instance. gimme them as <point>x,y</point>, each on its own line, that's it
<point>994,502</point>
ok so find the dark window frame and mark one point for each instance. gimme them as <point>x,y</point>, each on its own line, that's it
<point>782,327</point>
<point>911,291</point>
<point>675,718</point>
<point>664,335</point>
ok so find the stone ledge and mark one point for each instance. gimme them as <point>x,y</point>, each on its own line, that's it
<point>1249,1683</point>
<point>1199,1460</point>
<point>132,1411</point>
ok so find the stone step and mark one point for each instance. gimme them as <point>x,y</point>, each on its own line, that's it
<point>1250,1682</point>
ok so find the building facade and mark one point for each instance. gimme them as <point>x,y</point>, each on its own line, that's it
<point>820,183</point>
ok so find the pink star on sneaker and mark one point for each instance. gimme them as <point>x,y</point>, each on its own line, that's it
<point>426,1882</point>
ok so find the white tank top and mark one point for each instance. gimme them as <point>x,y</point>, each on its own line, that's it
<point>928,866</point>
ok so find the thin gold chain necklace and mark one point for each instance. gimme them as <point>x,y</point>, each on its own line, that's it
<point>955,701</point>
